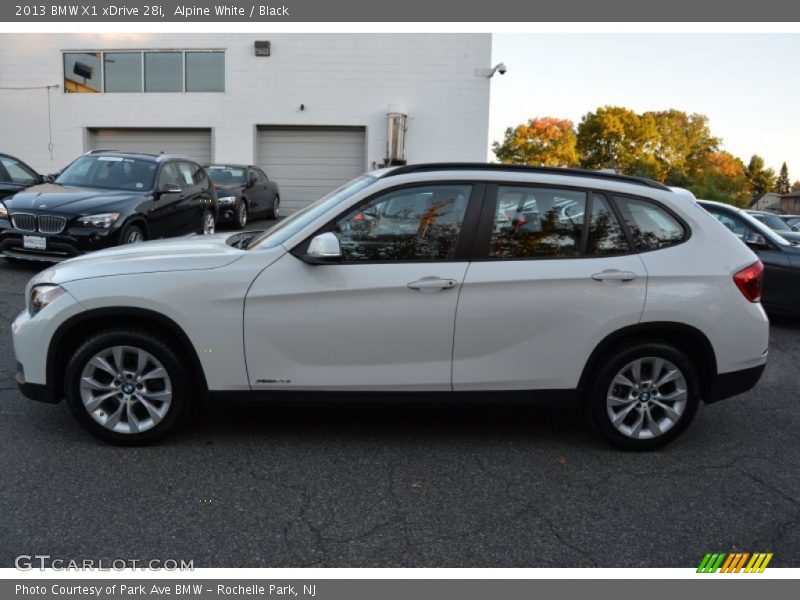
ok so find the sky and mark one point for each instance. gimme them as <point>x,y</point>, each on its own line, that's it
<point>746,84</point>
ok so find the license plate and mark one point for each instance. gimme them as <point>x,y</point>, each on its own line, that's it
<point>34,242</point>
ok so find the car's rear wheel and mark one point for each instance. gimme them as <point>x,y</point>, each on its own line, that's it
<point>132,234</point>
<point>274,211</point>
<point>241,214</point>
<point>644,396</point>
<point>127,387</point>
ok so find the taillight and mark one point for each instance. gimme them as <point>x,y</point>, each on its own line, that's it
<point>749,281</point>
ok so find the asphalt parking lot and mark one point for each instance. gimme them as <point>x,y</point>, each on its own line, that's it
<point>367,486</point>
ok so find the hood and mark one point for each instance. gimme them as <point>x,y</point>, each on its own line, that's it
<point>792,236</point>
<point>229,187</point>
<point>74,200</point>
<point>198,252</point>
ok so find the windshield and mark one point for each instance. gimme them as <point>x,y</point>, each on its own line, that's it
<point>227,175</point>
<point>775,222</point>
<point>286,228</point>
<point>110,173</point>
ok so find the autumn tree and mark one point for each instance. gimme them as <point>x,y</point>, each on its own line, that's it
<point>721,176</point>
<point>796,186</point>
<point>684,142</point>
<point>542,141</point>
<point>761,178</point>
<point>782,184</point>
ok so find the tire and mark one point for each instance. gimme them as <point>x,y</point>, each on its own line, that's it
<point>126,411</point>
<point>132,234</point>
<point>274,211</point>
<point>645,404</point>
<point>242,213</point>
<point>208,224</point>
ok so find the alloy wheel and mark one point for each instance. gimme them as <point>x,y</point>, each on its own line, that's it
<point>242,214</point>
<point>134,237</point>
<point>646,398</point>
<point>126,389</point>
<point>208,224</point>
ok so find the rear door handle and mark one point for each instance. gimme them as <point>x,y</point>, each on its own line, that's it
<point>429,285</point>
<point>614,275</point>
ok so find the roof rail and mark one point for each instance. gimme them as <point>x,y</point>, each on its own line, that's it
<point>467,166</point>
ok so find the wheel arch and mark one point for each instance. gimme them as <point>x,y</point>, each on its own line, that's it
<point>76,329</point>
<point>139,221</point>
<point>686,338</point>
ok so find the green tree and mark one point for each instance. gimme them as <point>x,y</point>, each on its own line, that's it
<point>684,142</point>
<point>761,178</point>
<point>782,186</point>
<point>796,186</point>
<point>614,137</point>
<point>542,141</point>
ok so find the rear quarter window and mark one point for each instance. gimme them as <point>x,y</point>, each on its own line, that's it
<point>650,225</point>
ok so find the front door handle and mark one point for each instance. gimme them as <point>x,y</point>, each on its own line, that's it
<point>429,285</point>
<point>614,275</point>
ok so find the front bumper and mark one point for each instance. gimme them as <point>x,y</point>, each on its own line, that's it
<point>35,391</point>
<point>734,383</point>
<point>59,246</point>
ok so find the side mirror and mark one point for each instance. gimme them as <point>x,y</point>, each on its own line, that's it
<point>756,241</point>
<point>251,180</point>
<point>47,178</point>
<point>169,188</point>
<point>323,249</point>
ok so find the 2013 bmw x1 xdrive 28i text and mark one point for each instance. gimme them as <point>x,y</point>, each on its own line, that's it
<point>105,199</point>
<point>440,279</point>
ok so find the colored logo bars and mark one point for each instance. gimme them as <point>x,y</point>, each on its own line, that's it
<point>734,562</point>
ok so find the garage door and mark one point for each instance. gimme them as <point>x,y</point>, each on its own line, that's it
<point>191,143</point>
<point>308,162</point>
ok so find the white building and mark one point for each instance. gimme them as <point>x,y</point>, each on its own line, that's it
<point>312,113</point>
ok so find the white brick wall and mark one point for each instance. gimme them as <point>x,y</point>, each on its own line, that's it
<point>343,79</point>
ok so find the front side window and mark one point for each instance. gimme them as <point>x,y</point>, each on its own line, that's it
<point>187,172</point>
<point>205,71</point>
<point>535,222</point>
<point>605,236</point>
<point>170,176</point>
<point>15,172</point>
<point>409,224</point>
<point>163,72</point>
<point>123,71</point>
<point>83,73</point>
<point>109,172</point>
<point>651,226</point>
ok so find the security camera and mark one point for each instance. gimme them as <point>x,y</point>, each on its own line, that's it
<point>498,68</point>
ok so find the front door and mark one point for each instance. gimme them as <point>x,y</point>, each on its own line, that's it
<point>383,318</point>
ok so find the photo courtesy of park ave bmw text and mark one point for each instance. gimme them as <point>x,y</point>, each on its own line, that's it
<point>346,300</point>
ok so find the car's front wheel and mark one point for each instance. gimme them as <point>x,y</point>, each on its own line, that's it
<point>132,234</point>
<point>644,396</point>
<point>209,223</point>
<point>127,386</point>
<point>241,215</point>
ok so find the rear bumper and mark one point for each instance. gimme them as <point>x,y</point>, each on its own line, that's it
<point>726,385</point>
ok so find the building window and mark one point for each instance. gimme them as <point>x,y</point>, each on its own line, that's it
<point>129,71</point>
<point>83,72</point>
<point>205,71</point>
<point>163,72</point>
<point>122,71</point>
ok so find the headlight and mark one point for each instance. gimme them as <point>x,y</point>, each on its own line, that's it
<point>43,295</point>
<point>3,211</point>
<point>101,221</point>
<point>227,199</point>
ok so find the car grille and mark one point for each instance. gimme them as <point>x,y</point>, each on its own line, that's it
<point>42,223</point>
<point>23,221</point>
<point>48,224</point>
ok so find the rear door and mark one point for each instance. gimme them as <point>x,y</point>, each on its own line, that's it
<point>554,273</point>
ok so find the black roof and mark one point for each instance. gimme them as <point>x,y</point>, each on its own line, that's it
<point>467,166</point>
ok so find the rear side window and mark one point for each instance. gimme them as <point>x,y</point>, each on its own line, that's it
<point>605,236</point>
<point>537,222</point>
<point>650,226</point>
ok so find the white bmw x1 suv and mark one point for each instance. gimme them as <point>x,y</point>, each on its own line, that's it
<point>440,279</point>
